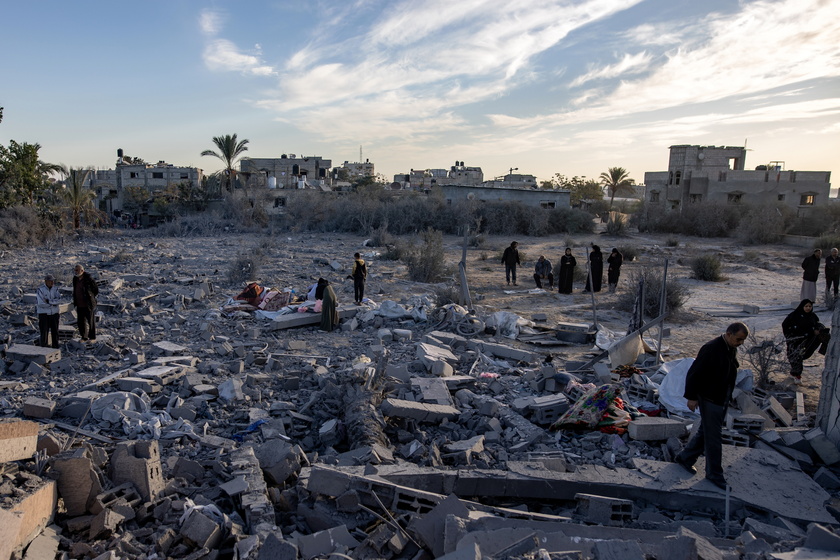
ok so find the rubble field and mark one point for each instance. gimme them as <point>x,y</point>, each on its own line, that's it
<point>196,427</point>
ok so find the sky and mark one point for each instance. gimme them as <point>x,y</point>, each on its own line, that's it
<point>542,86</point>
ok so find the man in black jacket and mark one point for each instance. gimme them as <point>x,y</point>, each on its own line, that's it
<point>708,386</point>
<point>85,291</point>
<point>832,276</point>
<point>510,258</point>
<point>811,268</point>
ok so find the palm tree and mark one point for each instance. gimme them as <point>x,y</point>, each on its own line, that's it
<point>229,151</point>
<point>23,177</point>
<point>79,198</point>
<point>616,180</point>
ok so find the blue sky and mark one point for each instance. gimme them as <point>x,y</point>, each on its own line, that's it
<point>570,87</point>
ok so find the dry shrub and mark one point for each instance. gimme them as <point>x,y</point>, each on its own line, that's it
<point>617,226</point>
<point>23,226</point>
<point>426,262</point>
<point>203,224</point>
<point>629,252</point>
<point>675,293</point>
<point>763,224</point>
<point>246,267</point>
<point>707,268</point>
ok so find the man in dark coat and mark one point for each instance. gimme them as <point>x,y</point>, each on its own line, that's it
<point>832,276</point>
<point>85,291</point>
<point>811,267</point>
<point>510,258</point>
<point>708,386</point>
<point>596,270</point>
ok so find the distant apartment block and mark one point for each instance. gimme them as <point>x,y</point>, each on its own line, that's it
<point>357,169</point>
<point>423,179</point>
<point>703,174</point>
<point>110,184</point>
<point>286,172</point>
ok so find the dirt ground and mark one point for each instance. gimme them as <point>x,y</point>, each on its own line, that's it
<point>766,276</point>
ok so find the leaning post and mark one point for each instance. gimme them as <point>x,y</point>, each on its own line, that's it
<point>828,409</point>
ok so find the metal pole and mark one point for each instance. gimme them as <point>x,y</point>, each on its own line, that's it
<point>662,311</point>
<point>466,300</point>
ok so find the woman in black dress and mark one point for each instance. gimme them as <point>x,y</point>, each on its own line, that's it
<point>567,272</point>
<point>614,262</point>
<point>596,270</point>
<point>804,334</point>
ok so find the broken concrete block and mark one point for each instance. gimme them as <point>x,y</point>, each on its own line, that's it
<point>138,462</point>
<point>231,390</point>
<point>18,440</point>
<point>26,517</point>
<point>777,412</point>
<point>422,412</point>
<point>27,353</point>
<point>131,383</point>
<point>201,531</point>
<point>279,460</point>
<point>275,548</point>
<point>35,407</point>
<point>824,447</point>
<point>820,538</point>
<point>323,543</point>
<point>827,479</point>
<point>648,428</point>
<point>36,369</point>
<point>104,524</point>
<point>62,367</point>
<point>440,368</point>
<point>547,409</point>
<point>603,510</point>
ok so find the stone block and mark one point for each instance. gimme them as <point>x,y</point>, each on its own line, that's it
<point>827,479</point>
<point>402,335</point>
<point>824,447</point>
<point>25,518</point>
<point>422,412</point>
<point>647,428</point>
<point>201,531</point>
<point>440,368</point>
<point>131,383</point>
<point>820,538</point>
<point>104,524</point>
<point>547,409</point>
<point>279,460</point>
<point>28,353</point>
<point>777,412</point>
<point>36,369</point>
<point>18,440</point>
<point>231,390</point>
<point>62,367</point>
<point>35,407</point>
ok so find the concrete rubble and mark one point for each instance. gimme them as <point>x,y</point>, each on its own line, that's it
<point>187,432</point>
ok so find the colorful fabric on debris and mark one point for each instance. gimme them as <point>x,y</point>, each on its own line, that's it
<point>251,294</point>
<point>601,409</point>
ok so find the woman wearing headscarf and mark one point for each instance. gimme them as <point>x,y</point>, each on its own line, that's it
<point>614,262</point>
<point>596,270</point>
<point>566,276</point>
<point>804,334</point>
<point>329,305</point>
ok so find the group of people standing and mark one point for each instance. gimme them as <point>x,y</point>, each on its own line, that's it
<point>811,273</point>
<point>565,274</point>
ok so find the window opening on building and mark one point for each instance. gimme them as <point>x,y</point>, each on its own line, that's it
<point>654,196</point>
<point>157,175</point>
<point>695,198</point>
<point>677,177</point>
<point>548,204</point>
<point>807,200</point>
<point>734,198</point>
<point>781,198</point>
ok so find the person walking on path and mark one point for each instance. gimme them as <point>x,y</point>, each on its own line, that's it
<point>510,258</point>
<point>811,266</point>
<point>803,334</point>
<point>566,276</point>
<point>46,304</point>
<point>84,298</point>
<point>708,387</point>
<point>542,271</point>
<point>359,276</point>
<point>832,276</point>
<point>596,270</point>
<point>329,305</point>
<point>614,261</point>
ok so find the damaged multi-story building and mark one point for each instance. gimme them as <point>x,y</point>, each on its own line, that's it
<point>286,172</point>
<point>716,174</point>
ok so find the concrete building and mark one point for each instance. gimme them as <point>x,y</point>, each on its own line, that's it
<point>424,179</point>
<point>528,196</point>
<point>517,180</point>
<point>110,184</point>
<point>356,169</point>
<point>702,174</point>
<point>286,172</point>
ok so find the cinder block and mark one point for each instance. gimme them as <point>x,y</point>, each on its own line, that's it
<point>777,412</point>
<point>603,510</point>
<point>138,462</point>
<point>201,531</point>
<point>549,408</point>
<point>823,446</point>
<point>728,437</point>
<point>35,407</point>
<point>18,440</point>
<point>647,428</point>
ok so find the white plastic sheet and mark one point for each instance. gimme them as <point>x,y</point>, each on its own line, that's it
<point>507,324</point>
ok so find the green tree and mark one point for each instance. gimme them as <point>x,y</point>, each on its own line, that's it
<point>229,151</point>
<point>23,177</point>
<point>134,199</point>
<point>580,188</point>
<point>77,197</point>
<point>617,180</point>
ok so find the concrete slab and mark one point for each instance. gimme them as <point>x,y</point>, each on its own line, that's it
<point>23,521</point>
<point>18,440</point>
<point>29,353</point>
<point>293,320</point>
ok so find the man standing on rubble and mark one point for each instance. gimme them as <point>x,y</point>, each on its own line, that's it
<point>359,276</point>
<point>811,271</point>
<point>708,386</point>
<point>85,291</point>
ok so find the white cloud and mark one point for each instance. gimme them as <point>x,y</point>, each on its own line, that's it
<point>210,22</point>
<point>222,55</point>
<point>630,64</point>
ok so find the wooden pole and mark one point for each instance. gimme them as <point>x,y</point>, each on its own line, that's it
<point>592,290</point>
<point>662,311</point>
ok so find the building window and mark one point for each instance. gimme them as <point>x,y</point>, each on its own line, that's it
<point>280,201</point>
<point>654,196</point>
<point>781,198</point>
<point>695,198</point>
<point>670,177</point>
<point>133,175</point>
<point>677,177</point>
<point>734,198</point>
<point>157,175</point>
<point>793,176</point>
<point>547,204</point>
<point>722,176</point>
<point>185,175</point>
<point>807,200</point>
